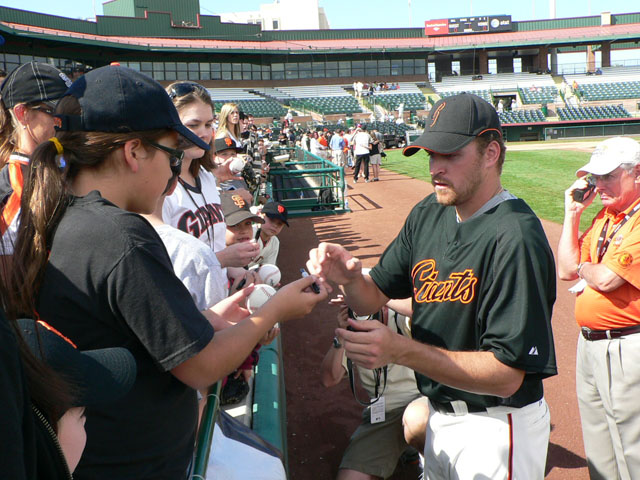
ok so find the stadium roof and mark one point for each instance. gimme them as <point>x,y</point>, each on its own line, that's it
<point>156,32</point>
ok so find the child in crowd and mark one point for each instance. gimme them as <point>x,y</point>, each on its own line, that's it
<point>274,215</point>
<point>240,221</point>
<point>225,151</point>
<point>95,270</point>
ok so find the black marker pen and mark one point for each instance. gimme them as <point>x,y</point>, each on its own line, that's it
<point>314,285</point>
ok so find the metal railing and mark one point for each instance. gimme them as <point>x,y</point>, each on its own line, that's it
<point>299,184</point>
<point>205,433</point>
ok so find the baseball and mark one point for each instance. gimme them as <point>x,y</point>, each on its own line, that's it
<point>236,165</point>
<point>260,295</point>
<point>269,274</point>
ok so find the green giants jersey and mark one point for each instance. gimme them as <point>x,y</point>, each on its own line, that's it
<point>487,284</point>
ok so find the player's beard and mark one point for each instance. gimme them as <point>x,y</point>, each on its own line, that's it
<point>452,196</point>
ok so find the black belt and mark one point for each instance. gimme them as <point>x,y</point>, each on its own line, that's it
<point>447,409</point>
<point>604,334</point>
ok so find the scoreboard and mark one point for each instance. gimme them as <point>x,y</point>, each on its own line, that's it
<point>489,24</point>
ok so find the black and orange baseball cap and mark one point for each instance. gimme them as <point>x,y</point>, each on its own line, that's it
<point>454,122</point>
<point>225,143</point>
<point>276,210</point>
<point>97,376</point>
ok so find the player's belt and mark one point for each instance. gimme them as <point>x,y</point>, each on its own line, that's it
<point>456,407</point>
<point>608,334</point>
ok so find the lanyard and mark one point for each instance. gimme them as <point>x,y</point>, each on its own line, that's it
<point>377,373</point>
<point>602,244</point>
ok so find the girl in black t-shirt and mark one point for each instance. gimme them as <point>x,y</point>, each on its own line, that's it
<point>94,269</point>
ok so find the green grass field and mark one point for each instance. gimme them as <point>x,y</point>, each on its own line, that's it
<point>538,177</point>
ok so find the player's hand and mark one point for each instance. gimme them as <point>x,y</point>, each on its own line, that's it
<point>232,309</point>
<point>238,254</point>
<point>334,263</point>
<point>296,299</point>
<point>570,204</point>
<point>370,345</point>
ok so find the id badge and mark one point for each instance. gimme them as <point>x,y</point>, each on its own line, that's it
<point>377,411</point>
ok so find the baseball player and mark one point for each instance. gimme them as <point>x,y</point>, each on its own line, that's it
<point>481,273</point>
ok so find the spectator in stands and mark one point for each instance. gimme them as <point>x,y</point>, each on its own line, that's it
<point>348,140</point>
<point>315,147</point>
<point>305,141</point>
<point>28,99</point>
<point>3,75</point>
<point>119,287</point>
<point>375,154</point>
<point>275,216</point>
<point>226,152</point>
<point>288,118</point>
<point>194,206</point>
<point>337,146</point>
<point>379,441</point>
<point>261,151</point>
<point>292,137</point>
<point>245,132</point>
<point>361,149</point>
<point>229,123</point>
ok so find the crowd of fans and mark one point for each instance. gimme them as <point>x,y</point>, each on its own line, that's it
<point>113,236</point>
<point>129,247</point>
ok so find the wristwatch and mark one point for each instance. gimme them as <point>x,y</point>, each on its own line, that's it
<point>336,343</point>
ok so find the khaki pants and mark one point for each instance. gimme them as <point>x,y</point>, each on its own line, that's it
<point>608,387</point>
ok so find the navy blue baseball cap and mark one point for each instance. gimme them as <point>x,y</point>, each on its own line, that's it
<point>118,99</point>
<point>454,122</point>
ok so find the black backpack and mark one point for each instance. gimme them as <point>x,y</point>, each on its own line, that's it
<point>325,200</point>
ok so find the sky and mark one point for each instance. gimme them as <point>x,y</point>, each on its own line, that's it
<point>372,13</point>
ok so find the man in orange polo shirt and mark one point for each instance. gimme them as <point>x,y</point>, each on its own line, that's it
<point>606,260</point>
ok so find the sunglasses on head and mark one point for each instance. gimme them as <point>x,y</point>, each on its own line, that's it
<point>185,88</point>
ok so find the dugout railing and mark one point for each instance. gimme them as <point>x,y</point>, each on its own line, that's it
<point>307,184</point>
<point>268,410</point>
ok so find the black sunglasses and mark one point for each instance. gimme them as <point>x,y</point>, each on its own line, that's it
<point>175,156</point>
<point>185,88</point>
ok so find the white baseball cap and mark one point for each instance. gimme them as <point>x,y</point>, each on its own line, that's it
<point>610,154</point>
